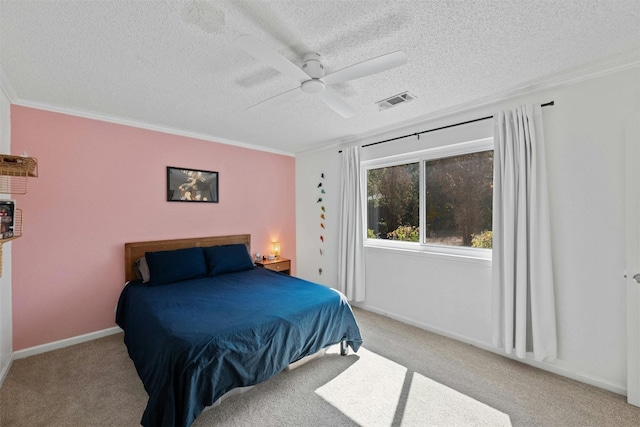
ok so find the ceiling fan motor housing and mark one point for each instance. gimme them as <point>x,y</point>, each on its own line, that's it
<point>312,66</point>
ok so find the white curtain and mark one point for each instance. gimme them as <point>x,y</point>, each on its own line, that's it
<point>522,293</point>
<point>350,249</point>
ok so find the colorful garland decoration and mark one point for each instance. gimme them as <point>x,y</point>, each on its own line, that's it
<point>322,217</point>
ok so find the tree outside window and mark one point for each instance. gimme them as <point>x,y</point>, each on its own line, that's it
<point>458,201</point>
<point>393,202</point>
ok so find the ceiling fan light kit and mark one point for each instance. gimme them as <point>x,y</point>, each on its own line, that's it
<point>312,86</point>
<point>311,75</point>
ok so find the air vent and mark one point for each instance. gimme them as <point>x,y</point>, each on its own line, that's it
<point>395,100</point>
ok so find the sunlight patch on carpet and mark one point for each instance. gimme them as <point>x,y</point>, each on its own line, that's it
<point>368,391</point>
<point>431,403</point>
<point>376,391</point>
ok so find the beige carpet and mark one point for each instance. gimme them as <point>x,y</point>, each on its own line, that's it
<point>403,376</point>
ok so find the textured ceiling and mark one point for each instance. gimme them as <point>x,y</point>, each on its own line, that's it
<point>174,64</point>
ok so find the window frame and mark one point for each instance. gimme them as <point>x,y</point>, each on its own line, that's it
<point>422,156</point>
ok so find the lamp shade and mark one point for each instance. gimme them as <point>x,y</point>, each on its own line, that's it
<point>275,246</point>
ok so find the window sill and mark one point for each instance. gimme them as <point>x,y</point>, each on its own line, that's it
<point>453,254</point>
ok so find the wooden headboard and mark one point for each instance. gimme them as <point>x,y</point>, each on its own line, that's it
<point>135,250</point>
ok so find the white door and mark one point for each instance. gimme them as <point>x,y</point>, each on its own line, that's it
<point>633,258</point>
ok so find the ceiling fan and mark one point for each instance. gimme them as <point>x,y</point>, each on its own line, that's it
<point>311,75</point>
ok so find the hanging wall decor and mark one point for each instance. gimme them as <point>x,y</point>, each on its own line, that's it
<point>322,217</point>
<point>191,185</point>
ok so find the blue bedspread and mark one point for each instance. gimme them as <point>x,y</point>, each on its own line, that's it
<point>193,341</point>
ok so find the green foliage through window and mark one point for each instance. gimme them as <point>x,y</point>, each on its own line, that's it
<point>458,201</point>
<point>482,240</point>
<point>406,233</point>
<point>393,201</point>
<point>459,198</point>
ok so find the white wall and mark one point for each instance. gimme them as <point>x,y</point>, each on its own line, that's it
<point>308,230</point>
<point>585,145</point>
<point>6,349</point>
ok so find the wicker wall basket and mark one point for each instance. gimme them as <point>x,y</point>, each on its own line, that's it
<point>15,172</point>
<point>17,223</point>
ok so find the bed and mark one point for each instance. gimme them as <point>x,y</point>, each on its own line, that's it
<point>195,333</point>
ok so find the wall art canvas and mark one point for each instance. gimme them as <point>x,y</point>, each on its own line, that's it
<point>191,185</point>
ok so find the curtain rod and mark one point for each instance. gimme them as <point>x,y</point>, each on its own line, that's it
<point>548,104</point>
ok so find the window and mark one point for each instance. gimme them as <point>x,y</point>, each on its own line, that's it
<point>436,200</point>
<point>459,199</point>
<point>393,202</point>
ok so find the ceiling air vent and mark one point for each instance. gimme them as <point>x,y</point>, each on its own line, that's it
<point>395,100</point>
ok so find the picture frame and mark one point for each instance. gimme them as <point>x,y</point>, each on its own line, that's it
<point>192,185</point>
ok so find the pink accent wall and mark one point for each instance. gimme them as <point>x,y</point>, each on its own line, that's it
<point>102,184</point>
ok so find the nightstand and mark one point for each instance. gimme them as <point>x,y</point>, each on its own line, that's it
<point>281,265</point>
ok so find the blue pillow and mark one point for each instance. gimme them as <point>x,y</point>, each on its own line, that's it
<point>173,266</point>
<point>227,259</point>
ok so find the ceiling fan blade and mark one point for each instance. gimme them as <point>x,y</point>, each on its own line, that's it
<point>366,68</point>
<point>284,96</point>
<point>336,103</point>
<point>264,53</point>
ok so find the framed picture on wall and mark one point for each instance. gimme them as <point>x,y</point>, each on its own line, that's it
<point>191,185</point>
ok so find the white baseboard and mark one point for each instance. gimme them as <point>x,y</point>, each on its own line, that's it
<point>32,351</point>
<point>559,367</point>
<point>5,371</point>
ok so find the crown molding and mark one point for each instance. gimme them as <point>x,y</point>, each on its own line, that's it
<point>320,147</point>
<point>613,65</point>
<point>7,87</point>
<point>144,125</point>
<point>616,64</point>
